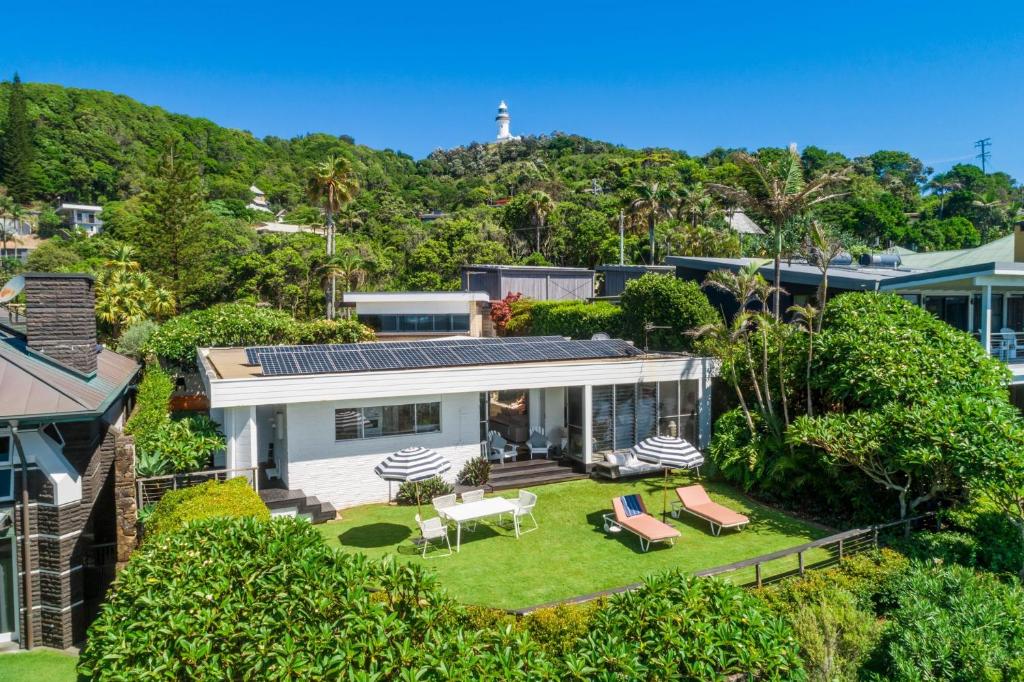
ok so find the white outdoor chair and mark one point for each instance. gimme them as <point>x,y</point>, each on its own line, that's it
<point>443,502</point>
<point>498,448</point>
<point>538,443</point>
<point>472,496</point>
<point>1007,344</point>
<point>430,530</point>
<point>524,507</point>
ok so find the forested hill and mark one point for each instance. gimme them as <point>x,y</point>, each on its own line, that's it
<point>499,202</point>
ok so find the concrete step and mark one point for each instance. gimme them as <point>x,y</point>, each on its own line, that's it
<point>297,503</point>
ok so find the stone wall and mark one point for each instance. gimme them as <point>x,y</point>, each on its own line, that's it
<point>126,511</point>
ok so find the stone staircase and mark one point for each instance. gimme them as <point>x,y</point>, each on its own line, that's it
<point>284,502</point>
<point>529,473</point>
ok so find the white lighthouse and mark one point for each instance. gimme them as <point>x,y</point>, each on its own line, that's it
<point>503,120</point>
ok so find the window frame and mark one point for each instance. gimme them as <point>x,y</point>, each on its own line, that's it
<point>381,415</point>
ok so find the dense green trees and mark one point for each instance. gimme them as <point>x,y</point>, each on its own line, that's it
<point>16,149</point>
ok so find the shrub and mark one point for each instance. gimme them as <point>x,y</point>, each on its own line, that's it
<point>682,627</point>
<point>664,301</point>
<point>948,547</point>
<point>134,339</point>
<point>430,488</point>
<point>245,598</point>
<point>953,624</point>
<point>835,637</point>
<point>575,319</point>
<point>998,545</point>
<point>501,311</point>
<point>475,472</point>
<point>151,403</point>
<point>213,499</point>
<point>561,628</point>
<point>519,318</point>
<point>329,331</point>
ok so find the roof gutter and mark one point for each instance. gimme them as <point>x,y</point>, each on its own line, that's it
<point>26,542</point>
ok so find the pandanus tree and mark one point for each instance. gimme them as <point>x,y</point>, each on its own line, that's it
<point>777,190</point>
<point>652,201</point>
<point>332,183</point>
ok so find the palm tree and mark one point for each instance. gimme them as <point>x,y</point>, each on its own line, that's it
<point>696,205</point>
<point>779,192</point>
<point>724,342</point>
<point>993,207</point>
<point>122,257</point>
<point>942,187</point>
<point>539,205</point>
<point>350,216</point>
<point>822,247</point>
<point>652,201</point>
<point>332,183</point>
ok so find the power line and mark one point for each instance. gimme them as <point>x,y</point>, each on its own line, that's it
<point>984,155</point>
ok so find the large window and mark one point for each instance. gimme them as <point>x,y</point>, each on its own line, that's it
<point>388,420</point>
<point>950,309</point>
<point>6,469</point>
<point>416,323</point>
<point>626,414</point>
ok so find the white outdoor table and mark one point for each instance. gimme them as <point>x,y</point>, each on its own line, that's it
<point>473,511</point>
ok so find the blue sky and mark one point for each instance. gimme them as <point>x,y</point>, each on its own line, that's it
<point>929,78</point>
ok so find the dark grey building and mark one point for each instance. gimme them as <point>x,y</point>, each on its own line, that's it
<point>63,400</point>
<point>540,283</point>
<point>616,277</point>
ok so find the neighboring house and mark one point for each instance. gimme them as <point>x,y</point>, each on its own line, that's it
<point>616,277</point>
<point>63,400</point>
<point>82,217</point>
<point>258,201</point>
<point>284,228</point>
<point>540,283</point>
<point>19,246</point>
<point>408,314</point>
<point>330,414</point>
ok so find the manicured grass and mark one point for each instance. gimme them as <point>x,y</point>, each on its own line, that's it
<point>571,554</point>
<point>38,665</point>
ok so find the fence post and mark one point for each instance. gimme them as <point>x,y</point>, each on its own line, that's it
<point>876,537</point>
<point>757,573</point>
<point>840,551</point>
<point>800,558</point>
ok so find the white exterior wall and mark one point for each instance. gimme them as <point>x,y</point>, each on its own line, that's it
<point>415,308</point>
<point>341,472</point>
<point>242,441</point>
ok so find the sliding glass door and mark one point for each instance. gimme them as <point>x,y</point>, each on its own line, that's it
<point>625,414</point>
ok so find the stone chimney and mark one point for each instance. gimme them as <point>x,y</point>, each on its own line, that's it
<point>1018,243</point>
<point>61,312</point>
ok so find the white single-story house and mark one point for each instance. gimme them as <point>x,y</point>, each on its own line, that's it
<point>321,417</point>
<point>403,314</point>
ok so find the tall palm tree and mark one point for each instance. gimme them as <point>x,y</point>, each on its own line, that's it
<point>652,202</point>
<point>539,206</point>
<point>805,316</point>
<point>332,183</point>
<point>942,187</point>
<point>777,190</point>
<point>724,342</point>
<point>822,247</point>
<point>695,204</point>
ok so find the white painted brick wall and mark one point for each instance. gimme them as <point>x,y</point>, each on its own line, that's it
<point>342,472</point>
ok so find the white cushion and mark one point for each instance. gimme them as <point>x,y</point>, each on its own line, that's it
<point>614,459</point>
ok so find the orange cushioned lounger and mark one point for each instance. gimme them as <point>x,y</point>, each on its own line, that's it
<point>643,525</point>
<point>694,499</point>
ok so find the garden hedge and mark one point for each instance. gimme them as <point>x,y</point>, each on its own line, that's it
<point>575,319</point>
<point>664,301</point>
<point>212,499</point>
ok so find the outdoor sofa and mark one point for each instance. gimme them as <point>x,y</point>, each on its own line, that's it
<point>624,464</point>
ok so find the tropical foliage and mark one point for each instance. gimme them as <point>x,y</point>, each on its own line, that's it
<point>212,499</point>
<point>658,310</point>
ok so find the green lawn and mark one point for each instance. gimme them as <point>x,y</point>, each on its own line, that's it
<point>40,665</point>
<point>571,554</point>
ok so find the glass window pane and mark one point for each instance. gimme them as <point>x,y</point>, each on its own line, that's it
<point>688,391</point>
<point>668,426</point>
<point>647,411</point>
<point>372,418</point>
<point>688,428</point>
<point>625,414</point>
<point>5,449</point>
<point>398,419</point>
<point>407,323</point>
<point>389,323</point>
<point>346,424</point>
<point>602,415</point>
<point>574,406</point>
<point>442,323</point>
<point>428,417</point>
<point>371,321</point>
<point>460,323</point>
<point>8,574</point>
<point>668,399</point>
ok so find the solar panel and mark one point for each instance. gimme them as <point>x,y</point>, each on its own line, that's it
<point>361,357</point>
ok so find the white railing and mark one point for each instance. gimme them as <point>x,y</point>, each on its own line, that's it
<point>150,490</point>
<point>1008,347</point>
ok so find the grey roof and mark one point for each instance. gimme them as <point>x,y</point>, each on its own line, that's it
<point>741,222</point>
<point>797,272</point>
<point>615,267</point>
<point>36,387</point>
<point>552,269</point>
<point>346,358</point>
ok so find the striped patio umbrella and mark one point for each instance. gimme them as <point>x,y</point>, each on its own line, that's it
<point>669,453</point>
<point>413,464</point>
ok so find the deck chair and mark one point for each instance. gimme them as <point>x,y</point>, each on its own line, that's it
<point>693,499</point>
<point>430,530</point>
<point>498,448</point>
<point>538,443</point>
<point>631,514</point>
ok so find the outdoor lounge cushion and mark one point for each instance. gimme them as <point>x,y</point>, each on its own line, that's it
<point>695,499</point>
<point>643,524</point>
<point>632,505</point>
<point>614,459</point>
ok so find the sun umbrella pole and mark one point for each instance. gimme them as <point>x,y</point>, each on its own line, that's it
<point>664,496</point>
<point>418,511</point>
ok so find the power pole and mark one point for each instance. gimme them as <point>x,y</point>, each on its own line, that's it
<point>622,239</point>
<point>984,154</point>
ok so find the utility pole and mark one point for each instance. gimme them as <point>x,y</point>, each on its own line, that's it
<point>984,154</point>
<point>622,238</point>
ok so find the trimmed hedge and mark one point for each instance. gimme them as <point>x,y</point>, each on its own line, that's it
<point>151,404</point>
<point>213,499</point>
<point>575,319</point>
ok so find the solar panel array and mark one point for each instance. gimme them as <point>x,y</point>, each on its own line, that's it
<point>369,357</point>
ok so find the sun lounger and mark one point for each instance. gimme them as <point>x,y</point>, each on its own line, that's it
<point>694,499</point>
<point>631,514</point>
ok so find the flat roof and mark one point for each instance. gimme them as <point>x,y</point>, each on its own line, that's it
<point>353,358</point>
<point>412,296</point>
<point>79,207</point>
<point>525,268</point>
<point>842,276</point>
<point>615,267</point>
